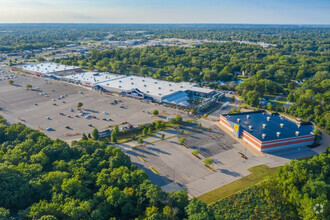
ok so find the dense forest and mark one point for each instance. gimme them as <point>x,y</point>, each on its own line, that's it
<point>42,178</point>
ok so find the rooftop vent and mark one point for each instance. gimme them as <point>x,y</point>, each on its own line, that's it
<point>159,87</point>
<point>120,81</point>
<point>147,91</point>
<point>159,94</point>
<point>297,133</point>
<point>238,120</point>
<point>278,134</point>
<point>248,116</point>
<point>268,118</point>
<point>155,82</point>
<point>145,85</point>
<point>131,78</point>
<point>119,86</point>
<point>143,80</point>
<point>281,125</point>
<point>263,136</point>
<point>170,84</point>
<point>264,125</point>
<point>250,127</point>
<point>132,83</point>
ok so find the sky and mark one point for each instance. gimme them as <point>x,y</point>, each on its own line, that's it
<point>166,11</point>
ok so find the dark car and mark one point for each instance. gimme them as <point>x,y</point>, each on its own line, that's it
<point>67,127</point>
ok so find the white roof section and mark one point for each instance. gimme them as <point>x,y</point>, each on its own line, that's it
<point>93,77</point>
<point>48,68</point>
<point>152,87</point>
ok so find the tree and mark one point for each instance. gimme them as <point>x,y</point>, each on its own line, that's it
<point>84,137</point>
<point>155,112</point>
<point>28,86</point>
<point>163,136</point>
<point>114,138</point>
<point>11,82</point>
<point>89,135</point>
<point>115,129</point>
<point>140,141</point>
<point>150,130</point>
<point>182,140</point>
<point>95,134</point>
<point>144,131</point>
<point>208,161</point>
<point>80,104</point>
<point>195,152</point>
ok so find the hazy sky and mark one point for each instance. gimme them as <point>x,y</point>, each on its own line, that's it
<point>166,11</point>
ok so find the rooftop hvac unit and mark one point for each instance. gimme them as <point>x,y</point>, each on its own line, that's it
<point>159,94</point>
<point>250,127</point>
<point>170,84</point>
<point>143,80</point>
<point>238,120</point>
<point>264,125</point>
<point>155,82</point>
<point>120,81</point>
<point>278,134</point>
<point>263,136</point>
<point>145,85</point>
<point>248,116</point>
<point>297,133</point>
<point>131,78</point>
<point>281,125</point>
<point>268,118</point>
<point>159,87</point>
<point>132,83</point>
<point>119,86</point>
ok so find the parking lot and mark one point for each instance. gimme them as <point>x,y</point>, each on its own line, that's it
<point>209,143</point>
<point>39,111</point>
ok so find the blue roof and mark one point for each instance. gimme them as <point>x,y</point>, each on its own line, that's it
<point>258,118</point>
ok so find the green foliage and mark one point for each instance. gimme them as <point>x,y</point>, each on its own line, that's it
<point>11,82</point>
<point>311,100</point>
<point>80,104</point>
<point>182,140</point>
<point>195,152</point>
<point>140,140</point>
<point>95,134</point>
<point>155,112</point>
<point>208,161</point>
<point>41,178</point>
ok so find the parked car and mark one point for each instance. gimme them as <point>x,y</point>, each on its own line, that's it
<point>67,127</point>
<point>69,116</point>
<point>49,129</point>
<point>90,125</point>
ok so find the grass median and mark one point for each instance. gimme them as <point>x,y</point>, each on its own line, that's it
<point>258,173</point>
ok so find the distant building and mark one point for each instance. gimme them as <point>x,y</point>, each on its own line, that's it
<point>269,131</point>
<point>48,69</point>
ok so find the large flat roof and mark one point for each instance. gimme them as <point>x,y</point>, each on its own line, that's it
<point>153,87</point>
<point>273,125</point>
<point>47,68</point>
<point>93,77</point>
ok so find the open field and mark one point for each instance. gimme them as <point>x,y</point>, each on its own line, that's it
<point>258,174</point>
<point>32,109</point>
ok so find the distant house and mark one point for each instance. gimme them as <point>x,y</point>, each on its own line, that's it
<point>263,101</point>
